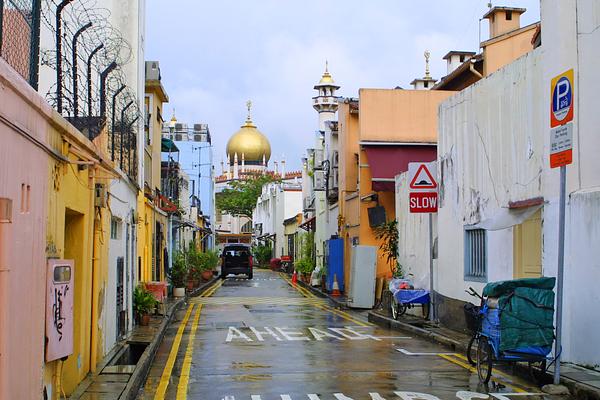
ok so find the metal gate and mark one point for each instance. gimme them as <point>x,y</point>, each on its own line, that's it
<point>121,313</point>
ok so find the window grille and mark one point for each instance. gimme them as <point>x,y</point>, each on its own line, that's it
<point>475,255</point>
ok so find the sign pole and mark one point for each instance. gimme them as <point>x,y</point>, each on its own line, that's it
<point>559,276</point>
<point>431,292</point>
<point>561,155</point>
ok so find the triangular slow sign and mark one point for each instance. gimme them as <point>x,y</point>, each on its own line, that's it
<point>423,179</point>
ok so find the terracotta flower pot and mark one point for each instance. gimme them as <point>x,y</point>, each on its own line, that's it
<point>190,284</point>
<point>144,319</point>
<point>207,275</point>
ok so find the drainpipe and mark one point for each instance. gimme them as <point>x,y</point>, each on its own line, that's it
<point>4,274</point>
<point>169,241</point>
<point>474,71</point>
<point>94,276</point>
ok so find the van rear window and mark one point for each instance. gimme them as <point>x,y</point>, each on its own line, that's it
<point>237,253</point>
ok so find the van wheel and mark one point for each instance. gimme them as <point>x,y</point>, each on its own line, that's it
<point>223,275</point>
<point>250,275</point>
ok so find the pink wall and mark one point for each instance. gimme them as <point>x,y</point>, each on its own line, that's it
<point>23,170</point>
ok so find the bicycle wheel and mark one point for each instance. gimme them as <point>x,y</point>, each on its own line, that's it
<point>470,349</point>
<point>484,360</point>
<point>395,307</point>
<point>402,309</point>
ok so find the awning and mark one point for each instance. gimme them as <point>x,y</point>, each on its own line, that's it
<point>309,224</point>
<point>267,236</point>
<point>167,145</point>
<point>388,161</point>
<point>505,218</point>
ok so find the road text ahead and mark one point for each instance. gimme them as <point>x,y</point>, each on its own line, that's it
<point>462,395</point>
<point>252,334</point>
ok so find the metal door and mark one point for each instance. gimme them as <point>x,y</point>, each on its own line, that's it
<point>335,263</point>
<point>120,292</point>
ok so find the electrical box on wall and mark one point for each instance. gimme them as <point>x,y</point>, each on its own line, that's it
<point>60,292</point>
<point>101,195</point>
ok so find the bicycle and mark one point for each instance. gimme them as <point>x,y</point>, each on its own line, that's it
<point>504,300</point>
<point>473,319</point>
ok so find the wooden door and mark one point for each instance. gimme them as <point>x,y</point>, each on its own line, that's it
<point>527,245</point>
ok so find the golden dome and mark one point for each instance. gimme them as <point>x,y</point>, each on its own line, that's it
<point>250,142</point>
<point>326,78</point>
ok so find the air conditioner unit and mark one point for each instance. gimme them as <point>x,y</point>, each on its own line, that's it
<point>308,204</point>
<point>319,180</point>
<point>101,195</point>
<point>178,137</point>
<point>318,157</point>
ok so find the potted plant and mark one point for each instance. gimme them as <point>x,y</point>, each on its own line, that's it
<point>262,254</point>
<point>143,304</point>
<point>195,267</point>
<point>178,274</point>
<point>304,267</point>
<point>209,261</point>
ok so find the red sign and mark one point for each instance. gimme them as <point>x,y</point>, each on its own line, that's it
<point>423,202</point>
<point>423,179</point>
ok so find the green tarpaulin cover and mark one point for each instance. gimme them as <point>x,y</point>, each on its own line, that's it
<point>526,312</point>
<point>497,289</point>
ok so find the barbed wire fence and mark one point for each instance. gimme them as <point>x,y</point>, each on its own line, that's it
<point>89,85</point>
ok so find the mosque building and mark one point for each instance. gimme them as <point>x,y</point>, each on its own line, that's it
<point>248,153</point>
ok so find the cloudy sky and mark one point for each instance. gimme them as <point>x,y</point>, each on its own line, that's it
<point>215,55</point>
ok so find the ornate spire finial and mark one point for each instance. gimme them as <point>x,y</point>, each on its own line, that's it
<point>427,54</point>
<point>326,66</point>
<point>249,105</point>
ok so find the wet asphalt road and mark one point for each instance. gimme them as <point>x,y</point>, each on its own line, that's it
<point>263,339</point>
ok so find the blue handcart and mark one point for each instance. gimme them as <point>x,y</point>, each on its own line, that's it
<point>403,299</point>
<point>516,325</point>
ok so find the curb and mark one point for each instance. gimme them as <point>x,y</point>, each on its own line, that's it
<point>381,320</point>
<point>140,373</point>
<point>578,389</point>
<point>319,293</point>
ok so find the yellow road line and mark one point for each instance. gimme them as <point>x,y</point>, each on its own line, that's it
<point>342,314</point>
<point>166,375</point>
<point>496,371</point>
<point>349,316</point>
<point>213,289</point>
<point>494,378</point>
<point>184,377</point>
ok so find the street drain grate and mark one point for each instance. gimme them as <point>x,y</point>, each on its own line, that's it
<point>268,310</point>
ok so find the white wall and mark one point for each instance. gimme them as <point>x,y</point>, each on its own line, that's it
<point>275,205</point>
<point>572,27</point>
<point>413,234</point>
<point>493,149</point>
<point>123,201</point>
<point>332,225</point>
<point>490,152</point>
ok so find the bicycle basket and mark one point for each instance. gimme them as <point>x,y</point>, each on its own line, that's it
<point>472,317</point>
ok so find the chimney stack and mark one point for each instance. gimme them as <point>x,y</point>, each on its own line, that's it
<point>503,20</point>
